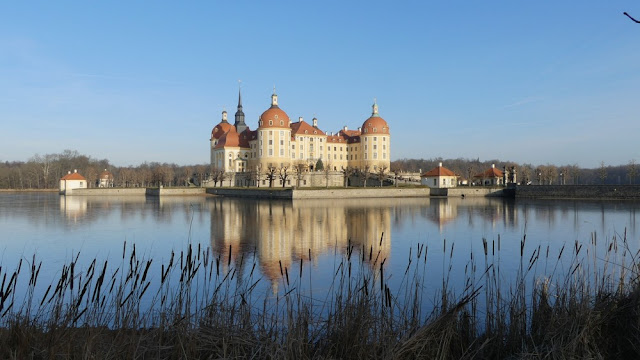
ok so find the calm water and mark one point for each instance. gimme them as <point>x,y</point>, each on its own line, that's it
<point>56,228</point>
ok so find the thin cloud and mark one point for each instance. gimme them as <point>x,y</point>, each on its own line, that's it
<point>527,100</point>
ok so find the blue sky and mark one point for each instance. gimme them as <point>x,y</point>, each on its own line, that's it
<point>538,81</point>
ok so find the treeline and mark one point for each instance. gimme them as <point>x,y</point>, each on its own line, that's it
<point>45,171</point>
<point>547,174</point>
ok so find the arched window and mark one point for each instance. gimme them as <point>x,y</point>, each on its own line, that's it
<point>270,122</point>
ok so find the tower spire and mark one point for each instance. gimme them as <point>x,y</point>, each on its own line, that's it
<point>239,95</point>
<point>375,108</point>
<point>239,123</point>
<point>274,97</point>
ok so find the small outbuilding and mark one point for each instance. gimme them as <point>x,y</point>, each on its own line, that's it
<point>490,177</point>
<point>105,179</point>
<point>439,177</point>
<point>72,181</point>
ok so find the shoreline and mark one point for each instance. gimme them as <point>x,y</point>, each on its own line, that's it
<point>542,192</point>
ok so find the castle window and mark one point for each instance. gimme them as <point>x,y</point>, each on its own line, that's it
<point>281,122</point>
<point>374,130</point>
<point>276,116</point>
<point>365,156</point>
<point>315,132</point>
<point>365,130</point>
<point>270,142</point>
<point>384,155</point>
<point>270,122</point>
<point>260,122</point>
<point>293,146</point>
<point>305,131</point>
<point>375,138</point>
<point>375,155</point>
<point>301,156</point>
<point>270,152</point>
<point>375,146</point>
<point>281,152</point>
<point>281,133</point>
<point>281,142</point>
<point>384,147</point>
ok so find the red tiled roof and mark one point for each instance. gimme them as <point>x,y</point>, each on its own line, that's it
<point>490,173</point>
<point>73,176</point>
<point>299,128</point>
<point>439,171</point>
<point>232,139</point>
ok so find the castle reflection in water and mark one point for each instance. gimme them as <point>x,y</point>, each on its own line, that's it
<point>282,233</point>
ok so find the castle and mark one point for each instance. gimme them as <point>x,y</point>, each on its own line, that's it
<point>281,145</point>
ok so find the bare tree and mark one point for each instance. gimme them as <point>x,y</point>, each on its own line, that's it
<point>632,171</point>
<point>365,172</point>
<point>283,174</point>
<point>346,173</point>
<point>300,168</point>
<point>270,174</point>
<point>91,174</point>
<point>382,171</point>
<point>602,172</point>
<point>327,173</point>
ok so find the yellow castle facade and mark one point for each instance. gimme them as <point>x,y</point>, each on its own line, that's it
<point>279,143</point>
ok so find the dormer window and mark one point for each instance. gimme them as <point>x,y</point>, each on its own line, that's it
<point>374,130</point>
<point>270,122</point>
<point>281,123</point>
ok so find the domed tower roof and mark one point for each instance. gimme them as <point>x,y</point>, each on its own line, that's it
<point>222,128</point>
<point>375,124</point>
<point>106,175</point>
<point>274,117</point>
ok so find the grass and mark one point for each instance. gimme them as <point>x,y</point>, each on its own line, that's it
<point>584,304</point>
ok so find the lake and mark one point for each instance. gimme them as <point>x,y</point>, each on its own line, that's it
<point>279,235</point>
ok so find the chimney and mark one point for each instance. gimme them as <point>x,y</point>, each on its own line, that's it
<point>300,119</point>
<point>345,128</point>
<point>69,172</point>
<point>315,122</point>
<point>75,170</point>
<point>359,129</point>
<point>439,164</point>
<point>493,166</point>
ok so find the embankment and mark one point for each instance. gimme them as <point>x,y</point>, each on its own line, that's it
<point>611,192</point>
<point>139,191</point>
